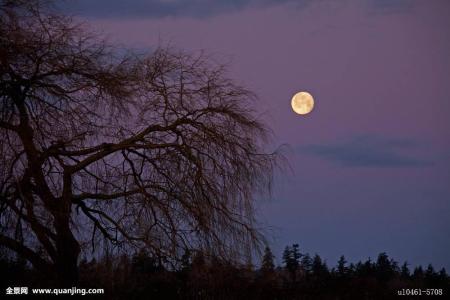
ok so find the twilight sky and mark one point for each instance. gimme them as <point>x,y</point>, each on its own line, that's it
<point>371,164</point>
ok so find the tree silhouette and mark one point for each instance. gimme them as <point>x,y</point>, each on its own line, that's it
<point>267,265</point>
<point>306,263</point>
<point>159,151</point>
<point>443,277</point>
<point>430,274</point>
<point>341,268</point>
<point>291,256</point>
<point>418,273</point>
<point>405,273</point>
<point>186,261</point>
<point>142,276</point>
<point>385,269</point>
<point>318,267</point>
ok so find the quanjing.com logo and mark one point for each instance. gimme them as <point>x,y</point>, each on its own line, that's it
<point>55,291</point>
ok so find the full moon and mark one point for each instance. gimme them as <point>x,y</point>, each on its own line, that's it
<point>302,103</point>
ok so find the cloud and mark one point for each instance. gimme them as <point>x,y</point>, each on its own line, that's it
<point>369,151</point>
<point>164,8</point>
<point>200,8</point>
<point>390,6</point>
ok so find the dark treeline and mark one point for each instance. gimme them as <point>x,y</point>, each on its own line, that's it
<point>300,276</point>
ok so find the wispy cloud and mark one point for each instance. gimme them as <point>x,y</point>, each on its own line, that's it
<point>164,8</point>
<point>200,8</point>
<point>389,6</point>
<point>369,151</point>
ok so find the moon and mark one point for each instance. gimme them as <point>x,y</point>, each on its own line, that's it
<point>302,103</point>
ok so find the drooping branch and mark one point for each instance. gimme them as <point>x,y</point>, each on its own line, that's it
<point>26,252</point>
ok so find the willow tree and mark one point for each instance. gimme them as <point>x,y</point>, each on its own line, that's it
<point>159,151</point>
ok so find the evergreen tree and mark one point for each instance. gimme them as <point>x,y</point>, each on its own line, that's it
<point>351,269</point>
<point>341,268</point>
<point>287,257</point>
<point>291,257</point>
<point>367,268</point>
<point>405,270</point>
<point>306,263</point>
<point>359,268</point>
<point>186,263</point>
<point>443,277</point>
<point>296,253</point>
<point>268,265</point>
<point>384,267</point>
<point>418,273</point>
<point>430,275</point>
<point>318,267</point>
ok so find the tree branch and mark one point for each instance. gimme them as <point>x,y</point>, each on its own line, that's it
<point>26,252</point>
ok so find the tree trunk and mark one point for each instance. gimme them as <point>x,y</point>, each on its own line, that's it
<point>68,251</point>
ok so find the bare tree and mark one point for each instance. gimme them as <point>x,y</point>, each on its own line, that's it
<point>161,151</point>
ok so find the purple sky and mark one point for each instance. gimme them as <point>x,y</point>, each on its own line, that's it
<point>371,164</point>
